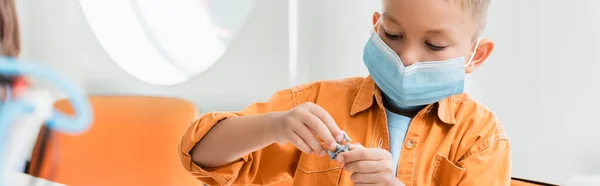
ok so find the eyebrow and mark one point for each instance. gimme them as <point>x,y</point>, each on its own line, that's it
<point>443,31</point>
<point>389,17</point>
<point>437,31</point>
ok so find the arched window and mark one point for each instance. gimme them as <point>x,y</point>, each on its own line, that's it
<point>165,42</point>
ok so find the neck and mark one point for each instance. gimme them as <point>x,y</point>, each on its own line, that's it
<point>395,107</point>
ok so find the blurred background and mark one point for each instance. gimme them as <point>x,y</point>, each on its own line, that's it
<point>541,79</point>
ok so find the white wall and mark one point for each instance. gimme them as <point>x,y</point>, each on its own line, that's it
<point>332,35</point>
<point>56,33</point>
<point>540,80</point>
<point>543,83</point>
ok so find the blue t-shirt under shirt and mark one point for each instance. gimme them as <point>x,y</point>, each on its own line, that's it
<point>397,126</point>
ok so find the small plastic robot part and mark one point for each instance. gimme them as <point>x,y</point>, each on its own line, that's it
<point>340,148</point>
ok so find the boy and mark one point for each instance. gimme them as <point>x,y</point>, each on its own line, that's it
<point>409,121</point>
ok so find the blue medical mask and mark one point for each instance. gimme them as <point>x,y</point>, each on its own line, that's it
<point>421,83</point>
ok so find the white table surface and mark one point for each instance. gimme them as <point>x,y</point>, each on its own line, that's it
<point>22,179</point>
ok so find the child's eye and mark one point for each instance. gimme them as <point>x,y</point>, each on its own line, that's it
<point>393,37</point>
<point>435,47</point>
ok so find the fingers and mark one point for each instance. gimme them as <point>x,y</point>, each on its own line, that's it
<point>365,184</point>
<point>356,146</point>
<point>366,178</point>
<point>332,128</point>
<point>365,166</point>
<point>364,154</point>
<point>381,181</point>
<point>310,139</point>
<point>380,178</point>
<point>300,143</point>
<point>312,123</point>
<point>360,166</point>
<point>319,127</point>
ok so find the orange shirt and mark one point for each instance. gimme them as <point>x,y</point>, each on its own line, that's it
<point>456,141</point>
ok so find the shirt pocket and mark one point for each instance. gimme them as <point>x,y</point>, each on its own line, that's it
<point>445,172</point>
<point>315,170</point>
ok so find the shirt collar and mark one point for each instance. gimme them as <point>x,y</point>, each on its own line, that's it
<point>368,90</point>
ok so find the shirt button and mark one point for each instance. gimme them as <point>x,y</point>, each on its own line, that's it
<point>410,144</point>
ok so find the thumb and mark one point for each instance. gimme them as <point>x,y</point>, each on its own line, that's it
<point>356,146</point>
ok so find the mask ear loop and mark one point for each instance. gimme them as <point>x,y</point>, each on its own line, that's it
<point>374,27</point>
<point>474,52</point>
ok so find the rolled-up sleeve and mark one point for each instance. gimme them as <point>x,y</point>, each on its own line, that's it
<point>192,135</point>
<point>245,169</point>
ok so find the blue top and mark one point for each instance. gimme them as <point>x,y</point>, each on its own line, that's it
<point>397,126</point>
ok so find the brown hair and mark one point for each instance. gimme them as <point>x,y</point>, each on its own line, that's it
<point>10,39</point>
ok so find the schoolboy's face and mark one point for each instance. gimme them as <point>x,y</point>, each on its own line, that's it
<point>430,30</point>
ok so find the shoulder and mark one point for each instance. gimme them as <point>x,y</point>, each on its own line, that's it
<point>480,127</point>
<point>352,83</point>
<point>347,87</point>
<point>316,92</point>
<point>471,112</point>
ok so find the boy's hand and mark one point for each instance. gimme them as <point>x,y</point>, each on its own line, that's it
<point>301,125</point>
<point>369,166</point>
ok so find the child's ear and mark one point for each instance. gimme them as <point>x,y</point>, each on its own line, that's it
<point>376,16</point>
<point>484,49</point>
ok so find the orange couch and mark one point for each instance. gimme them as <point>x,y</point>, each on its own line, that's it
<point>132,141</point>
